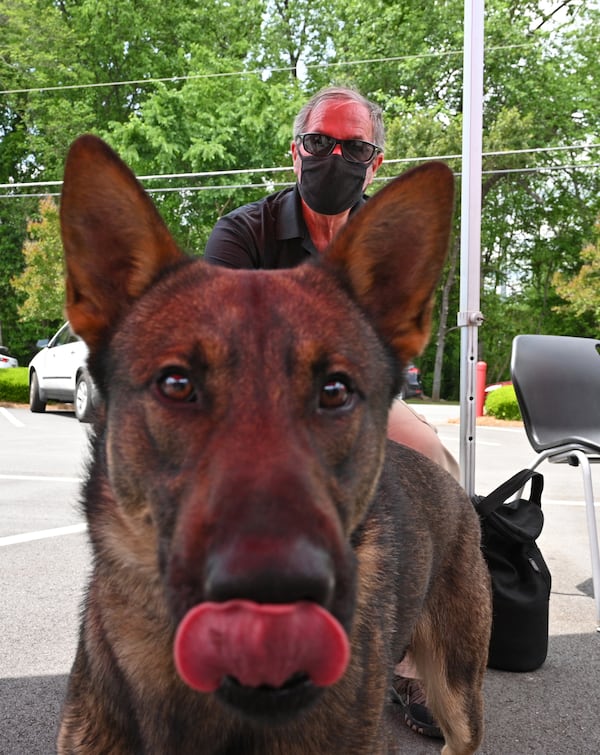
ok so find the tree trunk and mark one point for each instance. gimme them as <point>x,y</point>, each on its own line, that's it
<point>442,327</point>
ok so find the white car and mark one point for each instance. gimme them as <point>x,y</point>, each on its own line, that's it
<point>6,360</point>
<point>59,372</point>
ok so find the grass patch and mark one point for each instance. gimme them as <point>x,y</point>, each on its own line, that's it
<point>14,385</point>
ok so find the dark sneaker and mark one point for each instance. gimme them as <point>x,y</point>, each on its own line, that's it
<point>408,693</point>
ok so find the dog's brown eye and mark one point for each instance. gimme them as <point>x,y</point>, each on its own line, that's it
<point>176,386</point>
<point>335,394</point>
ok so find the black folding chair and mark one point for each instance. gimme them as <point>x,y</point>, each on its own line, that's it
<point>557,382</point>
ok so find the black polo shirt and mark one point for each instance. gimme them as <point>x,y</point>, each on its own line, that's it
<point>270,233</point>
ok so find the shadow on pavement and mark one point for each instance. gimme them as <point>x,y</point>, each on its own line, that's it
<point>29,712</point>
<point>553,710</point>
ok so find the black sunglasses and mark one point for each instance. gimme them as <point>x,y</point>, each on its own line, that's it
<point>353,150</point>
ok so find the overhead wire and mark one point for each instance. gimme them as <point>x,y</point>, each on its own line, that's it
<point>261,71</point>
<point>265,70</point>
<point>273,185</point>
<point>267,184</point>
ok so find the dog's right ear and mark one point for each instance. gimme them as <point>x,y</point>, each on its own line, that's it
<point>392,251</point>
<point>115,242</point>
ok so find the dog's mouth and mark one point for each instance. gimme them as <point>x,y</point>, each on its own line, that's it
<point>261,658</point>
<point>274,704</point>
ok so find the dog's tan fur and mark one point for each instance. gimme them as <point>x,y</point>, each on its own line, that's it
<point>255,435</point>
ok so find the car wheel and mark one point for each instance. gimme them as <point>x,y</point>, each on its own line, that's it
<point>83,398</point>
<point>35,400</point>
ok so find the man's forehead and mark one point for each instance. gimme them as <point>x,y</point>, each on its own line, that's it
<point>341,118</point>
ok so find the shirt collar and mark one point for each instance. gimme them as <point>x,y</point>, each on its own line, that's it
<point>290,223</point>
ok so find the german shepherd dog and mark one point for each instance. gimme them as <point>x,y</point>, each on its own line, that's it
<point>262,555</point>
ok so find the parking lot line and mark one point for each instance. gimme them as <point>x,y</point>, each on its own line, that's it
<point>27,537</point>
<point>38,478</point>
<point>10,417</point>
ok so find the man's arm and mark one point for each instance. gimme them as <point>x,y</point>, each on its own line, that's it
<point>231,244</point>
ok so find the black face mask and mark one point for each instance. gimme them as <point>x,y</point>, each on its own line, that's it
<point>330,185</point>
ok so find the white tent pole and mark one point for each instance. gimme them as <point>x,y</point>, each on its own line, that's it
<point>469,316</point>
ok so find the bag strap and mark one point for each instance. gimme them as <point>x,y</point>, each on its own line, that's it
<point>495,499</point>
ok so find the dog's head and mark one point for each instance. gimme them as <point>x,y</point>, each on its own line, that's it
<point>245,416</point>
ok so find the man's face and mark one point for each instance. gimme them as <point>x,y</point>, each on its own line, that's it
<point>342,119</point>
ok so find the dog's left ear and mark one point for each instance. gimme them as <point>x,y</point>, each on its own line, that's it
<point>115,242</point>
<point>392,252</point>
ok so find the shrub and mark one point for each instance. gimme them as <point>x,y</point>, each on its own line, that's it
<point>502,403</point>
<point>14,385</point>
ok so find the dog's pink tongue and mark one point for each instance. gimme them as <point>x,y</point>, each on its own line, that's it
<point>259,644</point>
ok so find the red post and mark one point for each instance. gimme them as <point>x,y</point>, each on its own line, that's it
<point>480,388</point>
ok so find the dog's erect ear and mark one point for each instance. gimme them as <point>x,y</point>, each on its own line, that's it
<point>393,250</point>
<point>115,242</point>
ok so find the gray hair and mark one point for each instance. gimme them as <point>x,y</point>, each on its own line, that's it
<point>342,93</point>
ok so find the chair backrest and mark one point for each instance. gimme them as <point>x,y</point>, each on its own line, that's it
<point>557,382</point>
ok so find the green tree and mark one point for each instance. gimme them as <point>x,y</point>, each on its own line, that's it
<point>175,132</point>
<point>68,68</point>
<point>581,292</point>
<point>41,284</point>
<point>12,230</point>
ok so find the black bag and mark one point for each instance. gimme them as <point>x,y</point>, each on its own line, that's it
<point>520,577</point>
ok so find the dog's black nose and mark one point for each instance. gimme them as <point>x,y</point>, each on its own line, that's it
<point>267,570</point>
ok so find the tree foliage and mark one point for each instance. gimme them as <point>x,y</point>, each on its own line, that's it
<point>41,284</point>
<point>581,291</point>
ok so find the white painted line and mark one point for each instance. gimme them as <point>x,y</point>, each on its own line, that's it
<point>38,478</point>
<point>9,416</point>
<point>448,440</point>
<point>27,537</point>
<point>494,428</point>
<point>552,502</point>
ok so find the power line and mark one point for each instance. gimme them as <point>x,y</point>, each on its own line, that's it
<point>272,186</point>
<point>161,176</point>
<point>254,72</point>
<point>247,171</point>
<point>540,169</point>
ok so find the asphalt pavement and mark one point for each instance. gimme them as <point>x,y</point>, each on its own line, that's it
<point>44,560</point>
